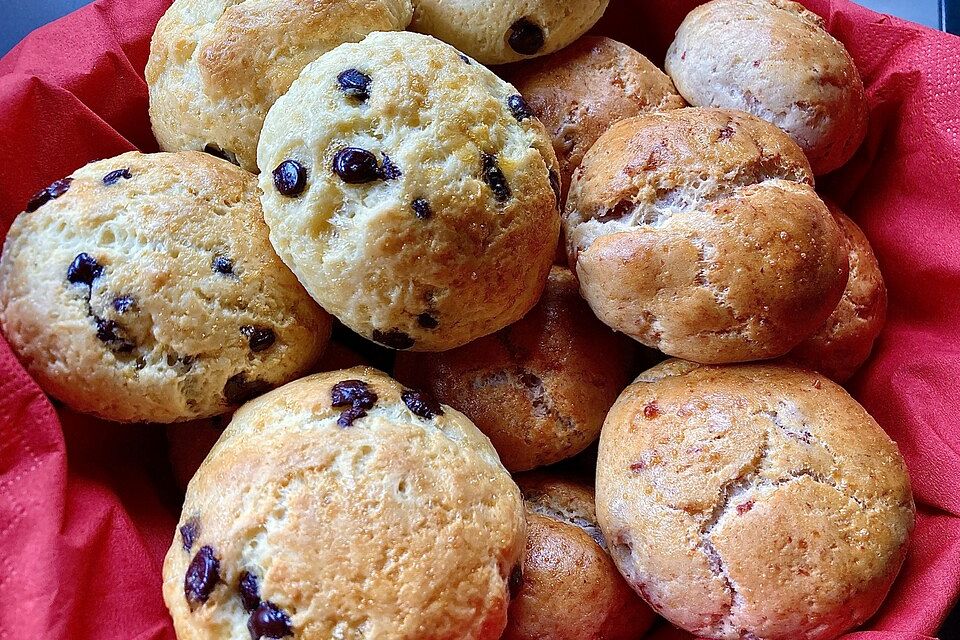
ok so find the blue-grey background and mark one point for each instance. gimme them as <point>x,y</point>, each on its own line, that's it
<point>20,17</point>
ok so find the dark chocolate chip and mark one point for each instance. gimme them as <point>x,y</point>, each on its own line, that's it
<point>515,583</point>
<point>217,152</point>
<point>202,576</point>
<point>47,194</point>
<point>421,209</point>
<point>189,532</point>
<point>290,178</point>
<point>260,338</point>
<point>84,270</point>
<point>393,338</point>
<point>389,171</point>
<point>115,176</point>
<point>555,185</point>
<point>353,392</point>
<point>354,84</point>
<point>421,403</point>
<point>249,591</point>
<point>222,264</point>
<point>464,58</point>
<point>268,621</point>
<point>526,37</point>
<point>123,304</point>
<point>494,177</point>
<point>356,166</point>
<point>239,389</point>
<point>110,332</point>
<point>428,321</point>
<point>349,415</point>
<point>519,108</point>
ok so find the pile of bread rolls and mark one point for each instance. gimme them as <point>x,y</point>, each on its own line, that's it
<point>526,250</point>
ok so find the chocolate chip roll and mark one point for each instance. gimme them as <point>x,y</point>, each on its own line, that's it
<point>144,288</point>
<point>844,342</point>
<point>344,505</point>
<point>413,192</point>
<point>217,66</point>
<point>569,588</point>
<point>698,232</point>
<point>776,60</point>
<point>507,30</point>
<point>540,388</point>
<point>752,501</point>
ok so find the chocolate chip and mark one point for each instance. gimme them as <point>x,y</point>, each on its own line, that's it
<point>268,621</point>
<point>290,178</point>
<point>464,58</point>
<point>353,392</point>
<point>202,576</point>
<point>393,338</point>
<point>389,171</point>
<point>189,532</point>
<point>47,194</point>
<point>515,583</point>
<point>494,177</point>
<point>260,338</point>
<point>84,270</point>
<point>239,389</point>
<point>110,332</point>
<point>354,84</point>
<point>114,176</point>
<point>356,166</point>
<point>217,152</point>
<point>555,185</point>
<point>421,404</point>
<point>421,209</point>
<point>123,304</point>
<point>526,37</point>
<point>519,108</point>
<point>349,415</point>
<point>725,133</point>
<point>249,591</point>
<point>427,321</point>
<point>223,265</point>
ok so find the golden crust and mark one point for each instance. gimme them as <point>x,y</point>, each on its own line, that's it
<point>396,527</point>
<point>217,66</point>
<point>182,339</point>
<point>775,60</point>
<point>845,340</point>
<point>474,263</point>
<point>581,90</point>
<point>697,232</point>
<point>540,388</point>
<point>752,499</point>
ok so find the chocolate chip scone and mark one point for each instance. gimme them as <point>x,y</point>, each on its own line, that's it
<point>507,30</point>
<point>144,288</point>
<point>776,60</point>
<point>540,388</point>
<point>411,191</point>
<point>217,66</point>
<point>569,588</point>
<point>345,506</point>
<point>752,501</point>
<point>698,233</point>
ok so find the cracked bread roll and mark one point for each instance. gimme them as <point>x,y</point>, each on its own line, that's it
<point>506,30</point>
<point>698,233</point>
<point>540,388</point>
<point>412,191</point>
<point>580,91</point>
<point>345,506</point>
<point>151,280</point>
<point>570,589</point>
<point>844,342</point>
<point>776,60</point>
<point>217,66</point>
<point>752,501</point>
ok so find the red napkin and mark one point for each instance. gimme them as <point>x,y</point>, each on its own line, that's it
<point>87,508</point>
